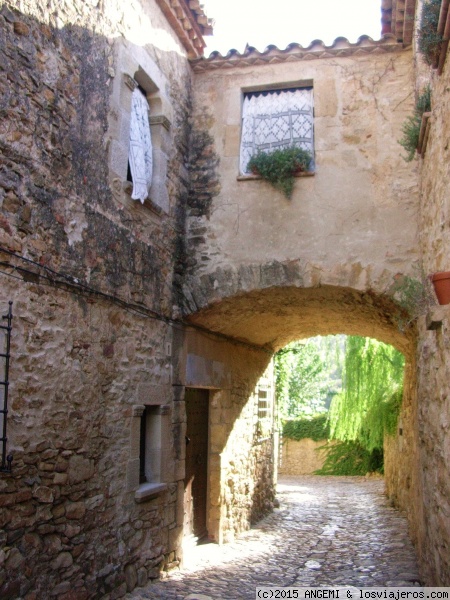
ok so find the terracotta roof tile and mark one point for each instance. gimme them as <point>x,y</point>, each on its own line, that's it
<point>397,17</point>
<point>190,23</point>
<point>316,49</point>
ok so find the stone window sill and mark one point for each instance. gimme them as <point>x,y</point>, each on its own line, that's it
<point>147,491</point>
<point>257,177</point>
<point>148,203</point>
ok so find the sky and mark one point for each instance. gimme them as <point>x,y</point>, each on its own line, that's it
<point>280,22</point>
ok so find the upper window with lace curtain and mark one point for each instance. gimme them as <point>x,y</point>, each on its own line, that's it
<point>276,119</point>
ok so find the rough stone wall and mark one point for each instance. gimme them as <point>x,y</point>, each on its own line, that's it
<point>402,465</point>
<point>69,523</point>
<point>300,457</point>
<point>91,282</point>
<point>433,357</point>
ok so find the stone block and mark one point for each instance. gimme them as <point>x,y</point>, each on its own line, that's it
<point>142,577</point>
<point>178,412</point>
<point>10,590</point>
<point>60,478</point>
<point>75,510</point>
<point>43,494</point>
<point>61,588</point>
<point>14,559</point>
<point>131,577</point>
<point>80,469</point>
<point>119,159</point>
<point>64,560</point>
<point>133,467</point>
<point>119,592</point>
<point>151,394</point>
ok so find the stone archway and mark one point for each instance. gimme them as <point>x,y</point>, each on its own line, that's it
<point>274,316</point>
<point>264,320</point>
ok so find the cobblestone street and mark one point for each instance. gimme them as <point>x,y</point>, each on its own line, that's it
<point>327,531</point>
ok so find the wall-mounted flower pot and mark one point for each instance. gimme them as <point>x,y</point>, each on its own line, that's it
<point>441,282</point>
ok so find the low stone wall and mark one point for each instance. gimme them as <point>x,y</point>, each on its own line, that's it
<point>301,457</point>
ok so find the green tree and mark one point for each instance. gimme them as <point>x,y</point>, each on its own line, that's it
<point>302,379</point>
<point>369,404</point>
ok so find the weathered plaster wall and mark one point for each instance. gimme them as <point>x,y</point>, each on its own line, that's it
<point>69,524</point>
<point>344,222</point>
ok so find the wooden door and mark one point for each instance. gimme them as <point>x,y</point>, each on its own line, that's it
<point>196,478</point>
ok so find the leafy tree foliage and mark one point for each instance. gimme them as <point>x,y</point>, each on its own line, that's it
<point>360,415</point>
<point>303,379</point>
<point>315,428</point>
<point>369,404</point>
<point>350,458</point>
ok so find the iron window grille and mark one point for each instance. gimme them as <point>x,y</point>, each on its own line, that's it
<point>276,119</point>
<point>5,345</point>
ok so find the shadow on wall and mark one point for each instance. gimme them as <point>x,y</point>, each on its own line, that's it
<point>85,333</point>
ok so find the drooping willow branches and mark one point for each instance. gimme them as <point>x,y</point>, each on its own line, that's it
<point>368,406</point>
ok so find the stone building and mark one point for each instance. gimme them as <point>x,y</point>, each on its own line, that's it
<point>140,397</point>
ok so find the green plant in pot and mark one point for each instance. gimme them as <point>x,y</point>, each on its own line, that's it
<point>280,166</point>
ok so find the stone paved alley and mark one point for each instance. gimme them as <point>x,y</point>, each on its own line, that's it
<point>327,531</point>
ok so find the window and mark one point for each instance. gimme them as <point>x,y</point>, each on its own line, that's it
<point>263,405</point>
<point>140,159</point>
<point>265,412</point>
<point>150,445</point>
<point>147,470</point>
<point>140,138</point>
<point>276,119</point>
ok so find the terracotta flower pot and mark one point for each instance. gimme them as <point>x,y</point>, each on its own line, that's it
<point>441,282</point>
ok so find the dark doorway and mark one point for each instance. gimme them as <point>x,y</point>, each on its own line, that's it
<point>196,478</point>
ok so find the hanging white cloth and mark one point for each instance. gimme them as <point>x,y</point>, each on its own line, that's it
<point>276,119</point>
<point>140,153</point>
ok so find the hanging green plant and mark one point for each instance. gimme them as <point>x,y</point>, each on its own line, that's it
<point>428,38</point>
<point>279,167</point>
<point>368,407</point>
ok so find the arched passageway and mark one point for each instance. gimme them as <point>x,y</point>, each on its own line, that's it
<point>275,316</point>
<point>228,349</point>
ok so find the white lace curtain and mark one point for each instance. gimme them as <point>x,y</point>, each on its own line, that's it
<point>140,153</point>
<point>276,119</point>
